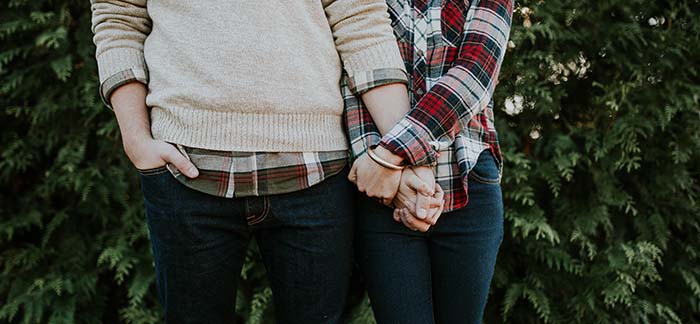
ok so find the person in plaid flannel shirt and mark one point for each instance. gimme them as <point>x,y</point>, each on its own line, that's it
<point>419,269</point>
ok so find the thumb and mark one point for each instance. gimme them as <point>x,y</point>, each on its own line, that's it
<point>174,157</point>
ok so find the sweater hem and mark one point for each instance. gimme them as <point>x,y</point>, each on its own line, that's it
<point>249,132</point>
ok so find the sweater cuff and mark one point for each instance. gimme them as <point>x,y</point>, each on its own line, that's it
<point>117,67</point>
<point>381,56</point>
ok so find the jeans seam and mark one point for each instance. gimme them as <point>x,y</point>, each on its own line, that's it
<point>263,214</point>
<point>473,176</point>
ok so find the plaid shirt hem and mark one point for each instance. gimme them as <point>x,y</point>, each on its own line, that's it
<point>242,174</point>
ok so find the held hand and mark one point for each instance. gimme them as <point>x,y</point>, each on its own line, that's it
<point>375,180</point>
<point>409,220</point>
<point>416,200</point>
<point>416,192</point>
<point>147,153</point>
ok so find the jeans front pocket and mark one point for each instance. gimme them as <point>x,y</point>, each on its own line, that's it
<point>486,169</point>
<point>153,171</point>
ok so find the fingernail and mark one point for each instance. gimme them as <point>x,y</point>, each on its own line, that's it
<point>193,171</point>
<point>421,213</point>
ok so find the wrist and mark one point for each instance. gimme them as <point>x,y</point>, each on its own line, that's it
<point>387,155</point>
<point>132,142</point>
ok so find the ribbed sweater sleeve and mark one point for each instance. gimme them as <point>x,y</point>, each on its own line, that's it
<point>120,29</point>
<point>363,36</point>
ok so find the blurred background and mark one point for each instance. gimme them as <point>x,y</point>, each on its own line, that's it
<point>598,113</point>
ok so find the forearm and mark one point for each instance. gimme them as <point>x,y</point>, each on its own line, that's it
<point>387,105</point>
<point>129,102</point>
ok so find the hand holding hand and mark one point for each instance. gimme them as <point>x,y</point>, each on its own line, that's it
<point>418,207</point>
<point>375,180</point>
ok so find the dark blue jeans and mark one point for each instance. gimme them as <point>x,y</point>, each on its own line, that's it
<point>442,276</point>
<point>199,245</point>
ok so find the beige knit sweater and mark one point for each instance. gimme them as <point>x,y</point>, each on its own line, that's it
<point>244,75</point>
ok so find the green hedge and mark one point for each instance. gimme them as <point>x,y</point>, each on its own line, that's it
<point>598,115</point>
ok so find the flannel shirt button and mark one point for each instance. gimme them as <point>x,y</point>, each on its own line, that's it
<point>420,53</point>
<point>420,92</point>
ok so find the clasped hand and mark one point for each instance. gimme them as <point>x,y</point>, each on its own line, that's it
<point>416,197</point>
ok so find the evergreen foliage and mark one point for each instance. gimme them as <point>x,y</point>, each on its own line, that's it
<point>598,112</point>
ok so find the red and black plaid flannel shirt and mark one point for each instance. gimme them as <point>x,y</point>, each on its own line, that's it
<point>453,50</point>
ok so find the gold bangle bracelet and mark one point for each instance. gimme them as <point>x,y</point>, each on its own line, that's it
<point>383,162</point>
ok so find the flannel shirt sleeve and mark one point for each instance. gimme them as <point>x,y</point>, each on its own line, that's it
<point>120,29</point>
<point>360,128</point>
<point>363,82</point>
<point>462,92</point>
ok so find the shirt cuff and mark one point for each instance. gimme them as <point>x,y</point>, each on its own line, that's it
<point>117,80</point>
<point>362,144</point>
<point>410,140</point>
<point>363,82</point>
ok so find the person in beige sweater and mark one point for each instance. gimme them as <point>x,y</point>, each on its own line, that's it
<point>232,113</point>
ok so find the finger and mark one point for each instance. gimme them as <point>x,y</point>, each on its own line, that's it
<point>397,215</point>
<point>434,207</point>
<point>415,223</point>
<point>438,203</point>
<point>422,224</point>
<point>174,157</point>
<point>438,191</point>
<point>387,191</point>
<point>415,183</point>
<point>434,219</point>
<point>422,206</point>
<point>439,194</point>
<point>404,220</point>
<point>352,176</point>
<point>387,202</point>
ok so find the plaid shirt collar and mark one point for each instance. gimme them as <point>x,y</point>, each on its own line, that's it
<point>453,51</point>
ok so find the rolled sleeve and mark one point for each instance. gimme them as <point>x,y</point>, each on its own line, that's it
<point>108,86</point>
<point>363,82</point>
